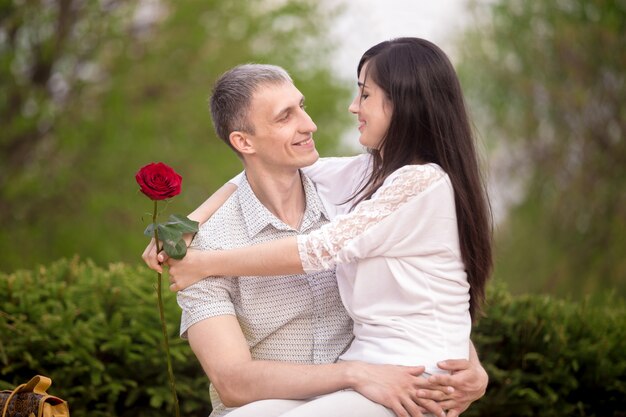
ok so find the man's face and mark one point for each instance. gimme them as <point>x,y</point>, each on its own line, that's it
<point>283,135</point>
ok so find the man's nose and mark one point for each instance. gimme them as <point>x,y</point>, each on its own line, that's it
<point>307,123</point>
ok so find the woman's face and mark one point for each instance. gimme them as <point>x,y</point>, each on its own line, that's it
<point>373,110</point>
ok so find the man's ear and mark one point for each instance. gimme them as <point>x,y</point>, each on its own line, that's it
<point>241,142</point>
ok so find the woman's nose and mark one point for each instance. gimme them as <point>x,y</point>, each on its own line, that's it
<point>354,106</point>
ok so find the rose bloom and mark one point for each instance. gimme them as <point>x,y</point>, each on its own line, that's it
<point>158,181</point>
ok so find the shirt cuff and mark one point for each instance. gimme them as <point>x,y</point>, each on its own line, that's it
<point>191,316</point>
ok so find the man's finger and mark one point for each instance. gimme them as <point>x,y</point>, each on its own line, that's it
<point>449,405</point>
<point>453,413</point>
<point>454,364</point>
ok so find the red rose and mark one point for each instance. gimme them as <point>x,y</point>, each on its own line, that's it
<point>158,181</point>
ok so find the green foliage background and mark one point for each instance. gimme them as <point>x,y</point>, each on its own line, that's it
<point>89,93</point>
<point>95,331</point>
<point>73,190</point>
<point>547,82</point>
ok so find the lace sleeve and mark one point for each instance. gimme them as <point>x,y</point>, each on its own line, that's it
<point>323,248</point>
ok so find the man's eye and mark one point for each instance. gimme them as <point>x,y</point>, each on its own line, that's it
<point>303,106</point>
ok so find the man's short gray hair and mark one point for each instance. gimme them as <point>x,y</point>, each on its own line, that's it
<point>232,96</point>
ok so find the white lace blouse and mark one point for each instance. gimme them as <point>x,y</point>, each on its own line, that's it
<point>399,267</point>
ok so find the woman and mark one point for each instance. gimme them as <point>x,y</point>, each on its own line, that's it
<point>412,248</point>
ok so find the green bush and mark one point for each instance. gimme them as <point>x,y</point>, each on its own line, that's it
<point>96,332</point>
<point>547,357</point>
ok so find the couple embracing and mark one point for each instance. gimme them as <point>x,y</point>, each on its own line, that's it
<point>341,286</point>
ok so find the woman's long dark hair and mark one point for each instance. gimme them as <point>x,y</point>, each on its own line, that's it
<point>429,123</point>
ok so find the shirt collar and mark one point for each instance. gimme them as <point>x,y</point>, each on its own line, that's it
<point>258,217</point>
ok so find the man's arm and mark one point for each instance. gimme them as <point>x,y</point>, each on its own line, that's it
<point>221,348</point>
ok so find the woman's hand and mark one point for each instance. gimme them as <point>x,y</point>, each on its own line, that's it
<point>395,387</point>
<point>201,215</point>
<point>153,261</point>
<point>187,271</point>
<point>149,256</point>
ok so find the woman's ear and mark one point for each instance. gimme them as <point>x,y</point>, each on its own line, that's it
<point>241,142</point>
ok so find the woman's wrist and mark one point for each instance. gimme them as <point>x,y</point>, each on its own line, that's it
<point>207,264</point>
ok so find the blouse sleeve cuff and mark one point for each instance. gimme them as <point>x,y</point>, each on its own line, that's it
<point>313,257</point>
<point>308,264</point>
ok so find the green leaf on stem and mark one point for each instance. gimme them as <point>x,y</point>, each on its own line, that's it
<point>175,250</point>
<point>149,230</point>
<point>171,234</point>
<point>183,224</point>
<point>173,243</point>
<point>168,233</point>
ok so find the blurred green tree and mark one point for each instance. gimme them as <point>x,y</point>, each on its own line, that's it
<point>49,52</point>
<point>152,65</point>
<point>547,82</point>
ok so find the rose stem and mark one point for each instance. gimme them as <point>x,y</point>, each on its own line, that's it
<point>162,315</point>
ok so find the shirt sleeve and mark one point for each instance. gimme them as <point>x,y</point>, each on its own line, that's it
<point>205,299</point>
<point>358,234</point>
<point>209,297</point>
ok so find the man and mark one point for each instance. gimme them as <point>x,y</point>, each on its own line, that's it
<point>279,337</point>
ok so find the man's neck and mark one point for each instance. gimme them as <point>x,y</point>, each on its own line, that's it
<point>280,191</point>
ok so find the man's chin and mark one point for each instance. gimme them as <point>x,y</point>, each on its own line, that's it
<point>311,160</point>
